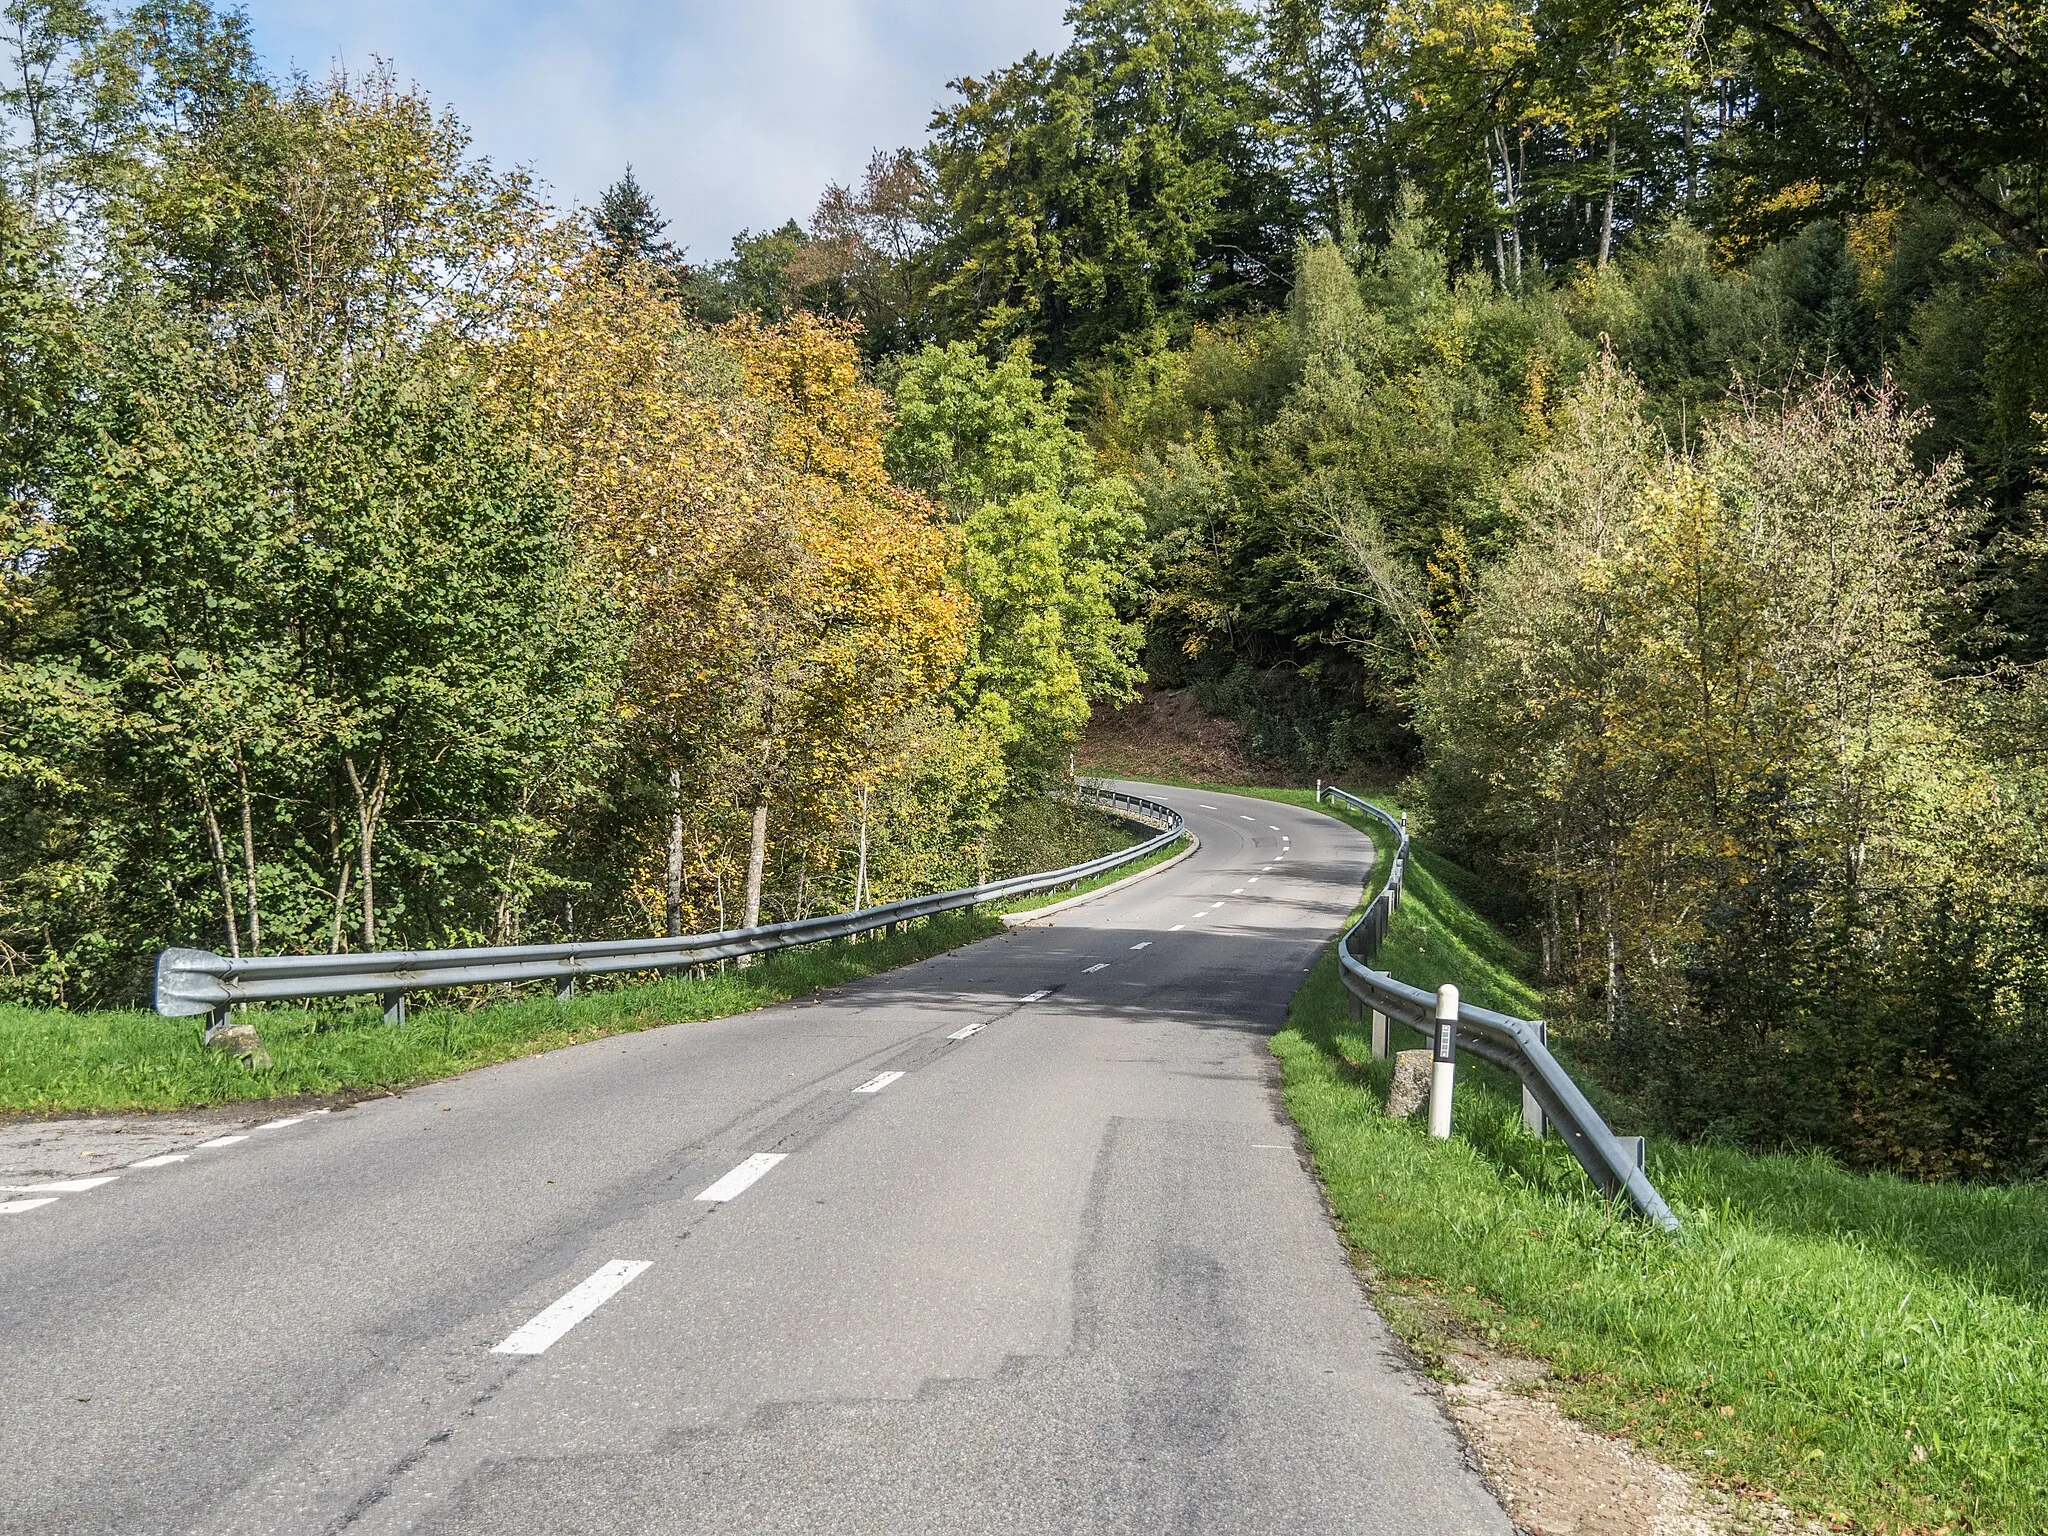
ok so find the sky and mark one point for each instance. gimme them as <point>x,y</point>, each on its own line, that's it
<point>734,115</point>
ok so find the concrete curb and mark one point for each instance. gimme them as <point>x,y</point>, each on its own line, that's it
<point>1019,919</point>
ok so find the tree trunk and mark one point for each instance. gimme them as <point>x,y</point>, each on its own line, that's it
<point>1607,210</point>
<point>757,856</point>
<point>220,868</point>
<point>675,853</point>
<point>1612,922</point>
<point>369,811</point>
<point>1553,933</point>
<point>340,902</point>
<point>249,855</point>
<point>860,880</point>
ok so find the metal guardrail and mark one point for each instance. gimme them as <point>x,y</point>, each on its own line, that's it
<point>196,981</point>
<point>1614,1163</point>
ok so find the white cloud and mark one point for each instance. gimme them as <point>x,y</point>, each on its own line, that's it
<point>734,115</point>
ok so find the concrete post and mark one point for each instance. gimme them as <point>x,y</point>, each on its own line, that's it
<point>1444,1062</point>
<point>1532,1112</point>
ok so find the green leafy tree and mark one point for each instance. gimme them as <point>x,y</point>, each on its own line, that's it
<point>1052,549</point>
<point>1116,187</point>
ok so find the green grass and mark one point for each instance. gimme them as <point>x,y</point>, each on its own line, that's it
<point>1108,877</point>
<point>1870,1351</point>
<point>123,1060</point>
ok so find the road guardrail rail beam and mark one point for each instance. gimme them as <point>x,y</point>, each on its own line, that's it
<point>1613,1163</point>
<point>199,982</point>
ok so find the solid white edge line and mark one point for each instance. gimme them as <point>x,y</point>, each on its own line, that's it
<point>16,1207</point>
<point>548,1325</point>
<point>223,1141</point>
<point>745,1174</point>
<point>163,1161</point>
<point>975,1028</point>
<point>878,1082</point>
<point>59,1186</point>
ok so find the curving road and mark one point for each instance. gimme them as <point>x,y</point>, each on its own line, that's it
<point>1066,1272</point>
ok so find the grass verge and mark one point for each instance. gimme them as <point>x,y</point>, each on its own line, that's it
<point>1107,877</point>
<point>1868,1351</point>
<point>54,1061</point>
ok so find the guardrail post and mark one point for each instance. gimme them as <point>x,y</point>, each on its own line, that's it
<point>217,1019</point>
<point>1379,1035</point>
<point>565,989</point>
<point>1444,1066</point>
<point>394,1007</point>
<point>1532,1112</point>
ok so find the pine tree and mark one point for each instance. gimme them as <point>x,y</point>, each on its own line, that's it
<point>629,227</point>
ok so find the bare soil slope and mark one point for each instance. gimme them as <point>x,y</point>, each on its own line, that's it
<point>1165,734</point>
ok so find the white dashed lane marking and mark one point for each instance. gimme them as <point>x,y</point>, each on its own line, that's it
<point>1206,807</point>
<point>59,1186</point>
<point>223,1141</point>
<point>732,1184</point>
<point>878,1082</point>
<point>972,1029</point>
<point>1035,996</point>
<point>549,1325</point>
<point>1143,944</point>
<point>1176,928</point>
<point>1247,818</point>
<point>161,1162</point>
<point>1100,965</point>
<point>16,1207</point>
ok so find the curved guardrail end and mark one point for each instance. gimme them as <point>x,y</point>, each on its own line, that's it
<point>188,981</point>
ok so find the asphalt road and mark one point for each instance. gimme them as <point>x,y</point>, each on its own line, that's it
<point>1067,1272</point>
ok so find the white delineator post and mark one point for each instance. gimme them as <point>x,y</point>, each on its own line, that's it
<point>1532,1112</point>
<point>1444,1063</point>
<point>1379,1035</point>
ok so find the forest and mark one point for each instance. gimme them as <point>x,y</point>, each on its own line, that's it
<point>1618,429</point>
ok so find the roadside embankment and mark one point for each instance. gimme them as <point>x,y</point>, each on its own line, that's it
<point>1868,1352</point>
